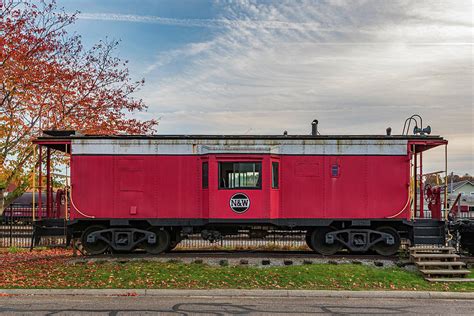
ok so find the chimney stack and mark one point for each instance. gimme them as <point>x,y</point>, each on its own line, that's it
<point>314,128</point>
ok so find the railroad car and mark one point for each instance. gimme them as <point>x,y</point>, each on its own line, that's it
<point>355,192</point>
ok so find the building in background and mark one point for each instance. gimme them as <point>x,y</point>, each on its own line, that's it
<point>466,189</point>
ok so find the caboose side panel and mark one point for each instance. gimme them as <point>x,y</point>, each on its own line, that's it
<point>388,187</point>
<point>131,196</point>
<point>302,187</point>
<point>344,186</point>
<point>178,187</point>
<point>92,190</point>
<point>134,187</point>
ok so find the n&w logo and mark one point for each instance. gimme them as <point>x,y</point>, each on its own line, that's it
<point>239,203</point>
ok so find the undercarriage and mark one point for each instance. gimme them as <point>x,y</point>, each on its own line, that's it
<point>325,240</point>
<point>381,237</point>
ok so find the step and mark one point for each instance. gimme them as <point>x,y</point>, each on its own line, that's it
<point>421,249</point>
<point>424,247</point>
<point>427,223</point>
<point>440,264</point>
<point>50,222</point>
<point>435,255</point>
<point>426,231</point>
<point>445,272</point>
<point>428,240</point>
<point>449,279</point>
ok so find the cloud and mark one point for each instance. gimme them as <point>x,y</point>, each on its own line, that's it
<point>356,66</point>
<point>206,23</point>
<point>213,23</point>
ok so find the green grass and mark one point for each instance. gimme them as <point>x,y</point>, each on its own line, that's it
<point>146,274</point>
<point>15,249</point>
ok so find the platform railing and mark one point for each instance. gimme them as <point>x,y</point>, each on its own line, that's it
<point>465,212</point>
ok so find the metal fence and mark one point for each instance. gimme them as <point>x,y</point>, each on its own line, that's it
<point>15,235</point>
<point>16,228</point>
<point>20,235</point>
<point>243,242</point>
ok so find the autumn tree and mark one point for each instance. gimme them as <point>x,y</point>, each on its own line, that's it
<point>48,80</point>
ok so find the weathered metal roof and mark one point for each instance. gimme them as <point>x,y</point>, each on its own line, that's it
<point>48,135</point>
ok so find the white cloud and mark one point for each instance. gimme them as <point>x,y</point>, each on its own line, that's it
<point>209,23</point>
<point>356,66</point>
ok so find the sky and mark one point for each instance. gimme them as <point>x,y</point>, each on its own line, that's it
<point>262,67</point>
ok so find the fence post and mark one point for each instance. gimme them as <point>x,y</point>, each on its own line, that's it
<point>11,225</point>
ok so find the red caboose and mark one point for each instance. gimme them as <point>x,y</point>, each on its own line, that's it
<point>149,192</point>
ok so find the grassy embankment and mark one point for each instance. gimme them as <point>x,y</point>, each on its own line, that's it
<point>52,269</point>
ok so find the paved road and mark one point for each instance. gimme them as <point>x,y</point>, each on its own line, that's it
<point>93,305</point>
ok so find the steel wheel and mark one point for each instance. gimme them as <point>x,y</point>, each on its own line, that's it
<point>318,242</point>
<point>387,250</point>
<point>163,241</point>
<point>96,248</point>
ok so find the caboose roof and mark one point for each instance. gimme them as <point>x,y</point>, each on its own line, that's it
<point>49,135</point>
<point>202,144</point>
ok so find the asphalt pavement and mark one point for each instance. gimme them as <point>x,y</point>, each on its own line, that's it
<point>231,305</point>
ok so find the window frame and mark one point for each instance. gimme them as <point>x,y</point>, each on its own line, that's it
<point>233,162</point>
<point>277,164</point>
<point>205,176</point>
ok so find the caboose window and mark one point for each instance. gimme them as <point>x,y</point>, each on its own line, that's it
<point>205,175</point>
<point>240,175</point>
<point>275,175</point>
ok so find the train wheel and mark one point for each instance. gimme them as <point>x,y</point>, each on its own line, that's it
<point>96,248</point>
<point>318,242</point>
<point>387,250</point>
<point>163,241</point>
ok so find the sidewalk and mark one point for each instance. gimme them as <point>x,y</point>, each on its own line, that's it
<point>240,293</point>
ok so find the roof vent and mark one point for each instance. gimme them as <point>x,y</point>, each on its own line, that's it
<point>314,128</point>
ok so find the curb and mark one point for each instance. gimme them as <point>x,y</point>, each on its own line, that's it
<point>239,293</point>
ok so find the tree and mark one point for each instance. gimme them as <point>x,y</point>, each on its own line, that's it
<point>48,80</point>
<point>434,179</point>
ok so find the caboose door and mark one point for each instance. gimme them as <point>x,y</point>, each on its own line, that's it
<point>240,189</point>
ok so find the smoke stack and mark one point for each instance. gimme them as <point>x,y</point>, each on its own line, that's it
<point>314,128</point>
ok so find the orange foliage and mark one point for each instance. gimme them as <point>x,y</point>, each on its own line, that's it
<point>48,80</point>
